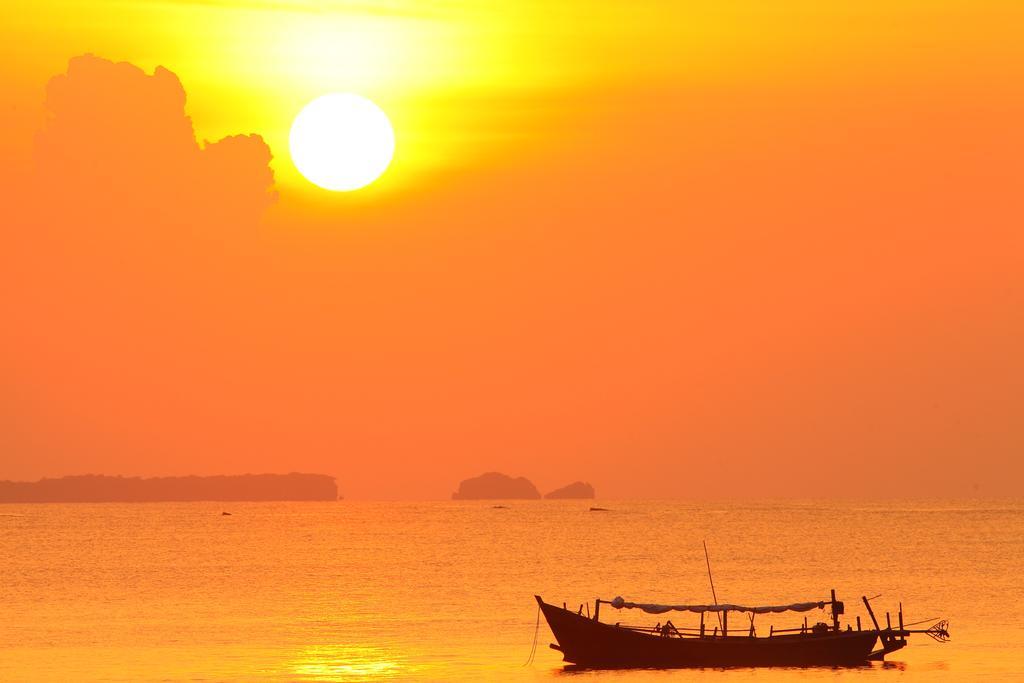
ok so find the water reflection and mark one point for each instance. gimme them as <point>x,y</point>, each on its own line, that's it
<point>348,663</point>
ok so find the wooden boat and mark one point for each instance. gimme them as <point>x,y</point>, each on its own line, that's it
<point>587,642</point>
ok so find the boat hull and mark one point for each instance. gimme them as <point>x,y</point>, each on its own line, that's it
<point>589,643</point>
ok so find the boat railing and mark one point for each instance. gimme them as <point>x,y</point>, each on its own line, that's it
<point>893,636</point>
<point>671,632</point>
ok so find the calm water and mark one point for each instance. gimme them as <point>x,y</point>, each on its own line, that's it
<point>444,591</point>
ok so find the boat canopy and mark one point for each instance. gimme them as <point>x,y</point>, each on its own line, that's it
<point>620,603</point>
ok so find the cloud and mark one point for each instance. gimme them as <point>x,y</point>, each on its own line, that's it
<point>133,264</point>
<point>115,136</point>
<point>127,207</point>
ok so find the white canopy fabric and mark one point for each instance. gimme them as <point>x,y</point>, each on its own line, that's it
<point>619,603</point>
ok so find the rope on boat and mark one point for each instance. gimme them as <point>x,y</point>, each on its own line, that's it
<point>536,632</point>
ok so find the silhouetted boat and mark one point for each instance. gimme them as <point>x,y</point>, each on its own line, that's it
<point>587,642</point>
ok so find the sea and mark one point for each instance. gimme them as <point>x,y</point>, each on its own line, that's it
<point>444,591</point>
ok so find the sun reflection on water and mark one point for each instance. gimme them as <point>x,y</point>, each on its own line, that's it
<point>348,663</point>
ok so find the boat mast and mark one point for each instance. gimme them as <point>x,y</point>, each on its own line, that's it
<point>712,581</point>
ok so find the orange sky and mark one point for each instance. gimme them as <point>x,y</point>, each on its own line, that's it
<point>676,249</point>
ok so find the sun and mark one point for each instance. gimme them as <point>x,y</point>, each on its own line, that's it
<point>341,142</point>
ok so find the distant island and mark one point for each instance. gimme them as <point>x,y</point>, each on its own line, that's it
<point>92,488</point>
<point>577,490</point>
<point>495,485</point>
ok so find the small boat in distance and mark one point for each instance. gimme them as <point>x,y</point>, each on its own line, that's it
<point>589,643</point>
